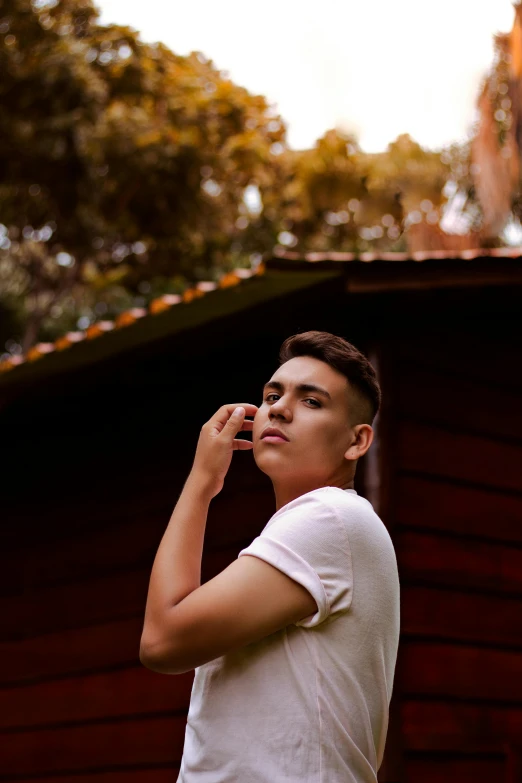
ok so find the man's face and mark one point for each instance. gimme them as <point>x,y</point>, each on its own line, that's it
<point>317,425</point>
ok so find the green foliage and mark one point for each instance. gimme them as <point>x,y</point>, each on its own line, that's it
<point>337,197</point>
<point>121,153</point>
<point>109,140</point>
<point>124,169</point>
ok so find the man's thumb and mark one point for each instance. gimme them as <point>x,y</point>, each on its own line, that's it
<point>237,414</point>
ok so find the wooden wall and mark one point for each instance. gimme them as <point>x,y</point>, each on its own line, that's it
<point>457,499</point>
<point>74,697</point>
<point>96,465</point>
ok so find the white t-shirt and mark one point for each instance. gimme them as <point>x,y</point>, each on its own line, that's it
<point>309,703</point>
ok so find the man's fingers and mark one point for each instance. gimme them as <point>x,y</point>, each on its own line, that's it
<point>235,420</point>
<point>236,414</point>
<point>242,445</point>
<point>225,419</point>
<point>250,409</point>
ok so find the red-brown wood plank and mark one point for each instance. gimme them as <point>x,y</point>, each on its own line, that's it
<point>126,545</point>
<point>452,725</point>
<point>465,617</point>
<point>149,492</point>
<point>89,602</point>
<point>118,596</point>
<point>424,449</point>
<point>439,505</point>
<point>84,556</point>
<point>458,402</point>
<point>493,361</point>
<point>459,671</point>
<point>88,747</point>
<point>241,512</point>
<point>458,562</point>
<point>166,775</point>
<point>71,651</point>
<point>77,513</point>
<point>114,694</point>
<point>461,770</point>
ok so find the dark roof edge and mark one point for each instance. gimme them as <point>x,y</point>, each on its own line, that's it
<point>395,272</point>
<point>173,315</point>
<point>419,255</point>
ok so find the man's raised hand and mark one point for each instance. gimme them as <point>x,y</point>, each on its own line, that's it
<point>217,442</point>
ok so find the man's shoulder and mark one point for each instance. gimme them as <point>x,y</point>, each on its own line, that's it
<point>347,500</point>
<point>327,499</point>
<point>357,514</point>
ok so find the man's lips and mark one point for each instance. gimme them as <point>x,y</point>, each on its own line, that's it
<point>274,435</point>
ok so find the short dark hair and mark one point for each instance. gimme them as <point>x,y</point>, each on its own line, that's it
<point>343,357</point>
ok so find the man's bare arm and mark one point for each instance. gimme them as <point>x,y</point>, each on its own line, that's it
<point>176,571</point>
<point>186,623</point>
<point>247,601</point>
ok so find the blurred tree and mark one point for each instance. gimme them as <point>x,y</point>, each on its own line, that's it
<point>119,160</point>
<point>337,197</point>
<point>322,186</point>
<point>407,182</point>
<point>496,148</point>
<point>418,178</point>
<point>127,171</point>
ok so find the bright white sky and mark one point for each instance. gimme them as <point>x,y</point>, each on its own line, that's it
<point>375,68</point>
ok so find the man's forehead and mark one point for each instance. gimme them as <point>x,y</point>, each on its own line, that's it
<point>329,387</point>
<point>314,372</point>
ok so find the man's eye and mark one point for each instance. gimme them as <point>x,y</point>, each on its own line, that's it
<point>308,399</point>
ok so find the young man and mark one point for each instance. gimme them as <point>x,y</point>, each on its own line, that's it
<point>295,643</point>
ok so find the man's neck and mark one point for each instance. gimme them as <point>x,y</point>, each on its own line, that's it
<point>285,494</point>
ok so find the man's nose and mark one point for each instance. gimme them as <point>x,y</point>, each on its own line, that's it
<point>278,408</point>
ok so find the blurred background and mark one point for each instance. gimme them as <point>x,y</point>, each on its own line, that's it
<point>181,189</point>
<point>145,147</point>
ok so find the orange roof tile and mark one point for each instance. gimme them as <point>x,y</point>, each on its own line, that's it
<point>157,305</point>
<point>233,278</point>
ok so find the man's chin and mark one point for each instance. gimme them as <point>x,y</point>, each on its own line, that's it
<point>269,464</point>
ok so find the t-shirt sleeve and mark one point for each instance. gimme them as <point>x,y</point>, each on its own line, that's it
<point>307,541</point>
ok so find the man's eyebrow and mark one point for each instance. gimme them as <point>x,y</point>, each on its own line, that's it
<point>302,387</point>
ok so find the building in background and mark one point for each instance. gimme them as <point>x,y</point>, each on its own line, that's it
<point>100,435</point>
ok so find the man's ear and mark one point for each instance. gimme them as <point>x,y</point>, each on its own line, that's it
<point>363,439</point>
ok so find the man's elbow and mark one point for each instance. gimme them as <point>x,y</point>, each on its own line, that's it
<point>153,657</point>
<point>159,659</point>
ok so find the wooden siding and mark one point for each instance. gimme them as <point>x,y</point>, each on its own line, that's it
<point>93,476</point>
<point>75,701</point>
<point>457,502</point>
<point>97,462</point>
